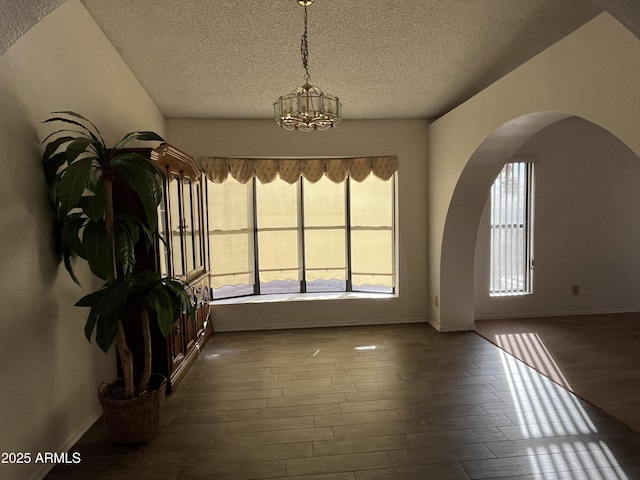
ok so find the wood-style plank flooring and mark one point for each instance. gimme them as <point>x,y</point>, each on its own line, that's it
<point>595,356</point>
<point>378,403</point>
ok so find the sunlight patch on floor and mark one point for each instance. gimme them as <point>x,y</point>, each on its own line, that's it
<point>531,349</point>
<point>545,411</point>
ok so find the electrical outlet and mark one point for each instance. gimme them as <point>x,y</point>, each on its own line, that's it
<point>575,289</point>
<point>437,301</point>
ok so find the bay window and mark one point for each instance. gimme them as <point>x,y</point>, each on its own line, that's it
<point>298,233</point>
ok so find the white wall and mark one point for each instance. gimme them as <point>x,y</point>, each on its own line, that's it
<point>587,228</point>
<point>49,372</point>
<point>405,138</point>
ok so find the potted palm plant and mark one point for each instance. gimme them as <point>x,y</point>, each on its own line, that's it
<point>80,171</point>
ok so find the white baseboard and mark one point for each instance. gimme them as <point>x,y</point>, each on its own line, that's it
<point>555,314</point>
<point>43,471</point>
<point>434,324</point>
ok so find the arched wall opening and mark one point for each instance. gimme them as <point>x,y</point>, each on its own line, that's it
<point>591,246</point>
<point>586,227</point>
<point>465,211</point>
<point>593,74</point>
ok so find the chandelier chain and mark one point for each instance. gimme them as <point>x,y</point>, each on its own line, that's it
<point>304,47</point>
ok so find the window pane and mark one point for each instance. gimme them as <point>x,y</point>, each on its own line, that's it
<point>326,286</point>
<point>231,237</point>
<point>372,238</point>
<point>325,232</point>
<point>372,202</point>
<point>509,273</point>
<point>277,205</point>
<point>324,203</point>
<point>230,255</point>
<point>279,257</point>
<point>278,286</point>
<point>511,219</point>
<point>229,205</point>
<point>326,254</point>
<point>372,258</point>
<point>278,232</point>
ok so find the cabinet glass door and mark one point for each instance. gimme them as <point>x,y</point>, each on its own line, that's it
<point>177,225</point>
<point>197,228</point>
<point>164,257</point>
<point>189,250</point>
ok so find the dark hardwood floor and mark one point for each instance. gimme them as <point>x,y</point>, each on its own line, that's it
<point>380,403</point>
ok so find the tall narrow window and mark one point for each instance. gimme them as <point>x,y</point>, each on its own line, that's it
<point>277,214</point>
<point>231,239</point>
<point>325,248</point>
<point>372,237</point>
<point>512,230</point>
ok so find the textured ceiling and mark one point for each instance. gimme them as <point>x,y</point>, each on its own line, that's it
<point>18,16</point>
<point>384,59</point>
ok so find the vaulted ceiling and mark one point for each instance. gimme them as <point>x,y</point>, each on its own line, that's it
<point>384,59</point>
<point>232,59</point>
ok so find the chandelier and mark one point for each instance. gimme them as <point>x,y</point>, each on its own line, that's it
<point>307,107</point>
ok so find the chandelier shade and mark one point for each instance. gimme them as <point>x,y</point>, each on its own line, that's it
<point>307,108</point>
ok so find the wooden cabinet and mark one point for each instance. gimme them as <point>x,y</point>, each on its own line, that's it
<point>183,254</point>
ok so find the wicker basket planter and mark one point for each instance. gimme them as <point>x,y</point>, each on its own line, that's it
<point>134,420</point>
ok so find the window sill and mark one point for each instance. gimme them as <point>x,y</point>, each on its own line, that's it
<point>299,297</point>
<point>515,294</point>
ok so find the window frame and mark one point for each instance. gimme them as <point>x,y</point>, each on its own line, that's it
<point>525,225</point>
<point>348,285</point>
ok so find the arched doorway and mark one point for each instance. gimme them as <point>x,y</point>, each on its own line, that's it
<point>465,211</point>
<point>593,258</point>
<point>586,227</point>
<point>592,74</point>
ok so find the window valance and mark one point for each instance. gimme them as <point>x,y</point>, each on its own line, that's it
<point>217,169</point>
